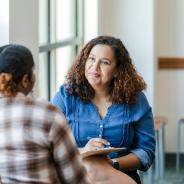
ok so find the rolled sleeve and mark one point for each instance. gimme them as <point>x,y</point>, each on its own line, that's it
<point>144,134</point>
<point>143,157</point>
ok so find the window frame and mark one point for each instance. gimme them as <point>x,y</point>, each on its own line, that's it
<point>52,44</point>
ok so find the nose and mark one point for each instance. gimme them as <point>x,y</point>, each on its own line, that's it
<point>96,65</point>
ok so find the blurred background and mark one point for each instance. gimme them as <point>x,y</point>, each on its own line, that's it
<point>152,31</point>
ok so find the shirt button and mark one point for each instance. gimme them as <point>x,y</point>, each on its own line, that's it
<point>100,135</point>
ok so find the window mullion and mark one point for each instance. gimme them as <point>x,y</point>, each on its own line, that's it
<point>59,47</point>
<point>52,63</point>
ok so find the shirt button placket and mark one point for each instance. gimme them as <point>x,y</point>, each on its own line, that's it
<point>101,130</point>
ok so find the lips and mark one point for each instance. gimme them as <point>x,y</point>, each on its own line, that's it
<point>94,74</point>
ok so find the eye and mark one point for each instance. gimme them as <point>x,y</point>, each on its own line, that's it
<point>104,62</point>
<point>91,59</point>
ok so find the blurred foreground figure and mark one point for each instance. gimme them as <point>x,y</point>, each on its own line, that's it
<point>36,145</point>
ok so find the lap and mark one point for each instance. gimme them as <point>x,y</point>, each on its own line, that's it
<point>101,172</point>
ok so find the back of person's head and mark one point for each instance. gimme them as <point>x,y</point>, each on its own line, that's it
<point>16,64</point>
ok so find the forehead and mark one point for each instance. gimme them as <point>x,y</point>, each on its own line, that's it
<point>102,51</point>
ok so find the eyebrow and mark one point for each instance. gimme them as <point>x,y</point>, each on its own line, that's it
<point>104,58</point>
<point>107,59</point>
<point>91,54</point>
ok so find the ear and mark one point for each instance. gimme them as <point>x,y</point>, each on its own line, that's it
<point>25,85</point>
<point>25,81</point>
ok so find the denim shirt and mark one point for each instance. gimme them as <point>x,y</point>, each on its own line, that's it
<point>129,126</point>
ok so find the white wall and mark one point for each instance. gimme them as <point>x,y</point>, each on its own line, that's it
<point>23,24</point>
<point>90,19</point>
<point>170,83</point>
<point>4,22</point>
<point>133,22</point>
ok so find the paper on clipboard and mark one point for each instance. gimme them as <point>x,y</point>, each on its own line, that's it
<point>102,151</point>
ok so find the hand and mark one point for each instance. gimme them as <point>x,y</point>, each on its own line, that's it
<point>95,143</point>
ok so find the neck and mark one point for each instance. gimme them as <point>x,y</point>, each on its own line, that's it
<point>2,95</point>
<point>101,92</point>
<point>101,95</point>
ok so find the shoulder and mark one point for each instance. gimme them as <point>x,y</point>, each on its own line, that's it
<point>63,91</point>
<point>63,100</point>
<point>39,103</point>
<point>141,106</point>
<point>48,112</point>
<point>32,107</point>
<point>141,100</point>
<point>61,95</point>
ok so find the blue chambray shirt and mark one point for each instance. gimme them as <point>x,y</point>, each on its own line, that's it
<point>128,126</point>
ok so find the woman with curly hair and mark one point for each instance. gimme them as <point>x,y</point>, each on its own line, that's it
<point>103,102</point>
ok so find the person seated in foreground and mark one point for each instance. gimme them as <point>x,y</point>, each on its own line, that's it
<point>36,145</point>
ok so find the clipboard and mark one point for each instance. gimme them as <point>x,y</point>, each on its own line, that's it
<point>102,151</point>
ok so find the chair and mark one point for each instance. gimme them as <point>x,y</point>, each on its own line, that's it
<point>178,149</point>
<point>159,124</point>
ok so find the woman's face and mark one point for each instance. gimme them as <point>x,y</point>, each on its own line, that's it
<point>33,78</point>
<point>100,67</point>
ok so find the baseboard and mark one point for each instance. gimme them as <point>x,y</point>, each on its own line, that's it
<point>170,159</point>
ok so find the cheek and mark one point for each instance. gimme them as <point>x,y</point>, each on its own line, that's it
<point>85,70</point>
<point>34,79</point>
<point>110,74</point>
<point>87,67</point>
<point>34,76</point>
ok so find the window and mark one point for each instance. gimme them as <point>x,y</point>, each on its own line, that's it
<point>4,22</point>
<point>60,36</point>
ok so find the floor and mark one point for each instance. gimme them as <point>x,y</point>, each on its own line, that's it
<point>171,177</point>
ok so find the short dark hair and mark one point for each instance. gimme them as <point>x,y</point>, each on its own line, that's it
<point>16,60</point>
<point>124,87</point>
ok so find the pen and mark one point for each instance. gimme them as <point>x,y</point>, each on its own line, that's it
<point>107,146</point>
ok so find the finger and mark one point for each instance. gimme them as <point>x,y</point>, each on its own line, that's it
<point>97,144</point>
<point>100,140</point>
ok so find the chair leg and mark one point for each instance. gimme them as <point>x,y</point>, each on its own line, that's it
<point>157,159</point>
<point>141,175</point>
<point>178,147</point>
<point>161,152</point>
<point>150,175</point>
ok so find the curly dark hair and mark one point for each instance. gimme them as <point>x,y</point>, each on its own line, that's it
<point>124,87</point>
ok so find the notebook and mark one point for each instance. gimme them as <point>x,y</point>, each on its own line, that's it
<point>102,151</point>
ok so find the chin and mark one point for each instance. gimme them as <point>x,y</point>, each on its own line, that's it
<point>94,83</point>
